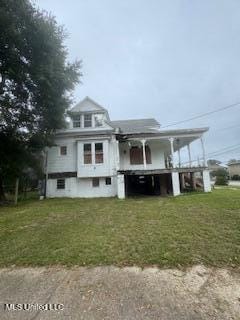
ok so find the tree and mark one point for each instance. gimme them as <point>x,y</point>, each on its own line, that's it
<point>36,82</point>
<point>221,177</point>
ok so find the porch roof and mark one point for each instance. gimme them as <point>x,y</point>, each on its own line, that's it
<point>182,137</point>
<point>166,133</point>
<point>136,126</point>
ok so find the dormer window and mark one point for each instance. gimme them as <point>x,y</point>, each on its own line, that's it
<point>87,120</point>
<point>76,121</point>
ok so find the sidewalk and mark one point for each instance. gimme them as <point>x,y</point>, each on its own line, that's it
<point>127,293</point>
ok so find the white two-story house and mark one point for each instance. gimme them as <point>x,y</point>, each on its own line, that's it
<point>97,157</point>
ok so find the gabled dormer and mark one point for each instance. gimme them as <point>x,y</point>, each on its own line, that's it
<point>88,114</point>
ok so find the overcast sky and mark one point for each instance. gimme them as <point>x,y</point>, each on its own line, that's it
<point>170,60</point>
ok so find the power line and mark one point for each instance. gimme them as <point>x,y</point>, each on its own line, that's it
<point>202,115</point>
<point>216,153</point>
<point>219,153</point>
<point>226,128</point>
<point>219,150</point>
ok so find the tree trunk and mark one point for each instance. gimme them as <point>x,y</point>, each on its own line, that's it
<point>2,194</point>
<point>16,191</point>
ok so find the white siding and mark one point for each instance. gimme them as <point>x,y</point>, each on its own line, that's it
<point>157,157</point>
<point>75,187</point>
<point>59,163</point>
<point>107,168</point>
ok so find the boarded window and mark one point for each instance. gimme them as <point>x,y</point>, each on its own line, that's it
<point>108,181</point>
<point>87,120</point>
<point>60,183</point>
<point>76,121</point>
<point>98,153</point>
<point>95,182</point>
<point>63,150</point>
<point>87,150</point>
<point>136,155</point>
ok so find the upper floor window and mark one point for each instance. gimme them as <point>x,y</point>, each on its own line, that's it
<point>76,121</point>
<point>87,151</point>
<point>98,153</point>
<point>63,150</point>
<point>87,120</point>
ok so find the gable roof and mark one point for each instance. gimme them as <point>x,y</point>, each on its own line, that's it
<point>136,125</point>
<point>87,104</point>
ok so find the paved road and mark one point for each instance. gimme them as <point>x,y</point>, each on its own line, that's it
<point>127,293</point>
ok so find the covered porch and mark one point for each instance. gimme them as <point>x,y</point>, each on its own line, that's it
<point>152,164</point>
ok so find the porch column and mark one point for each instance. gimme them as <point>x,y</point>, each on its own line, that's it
<point>163,184</point>
<point>120,186</point>
<point>193,180</point>
<point>172,152</point>
<point>203,152</point>
<point>206,181</point>
<point>179,158</point>
<point>117,156</point>
<point>182,181</point>
<point>189,155</point>
<point>144,154</point>
<point>175,183</point>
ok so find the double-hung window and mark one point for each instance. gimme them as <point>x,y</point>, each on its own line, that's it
<point>87,150</point>
<point>63,150</point>
<point>76,121</point>
<point>87,120</point>
<point>98,153</point>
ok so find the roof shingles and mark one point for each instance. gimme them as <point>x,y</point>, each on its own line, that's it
<point>136,125</point>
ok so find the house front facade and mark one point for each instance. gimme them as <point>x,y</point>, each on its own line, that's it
<point>97,157</point>
<point>234,169</point>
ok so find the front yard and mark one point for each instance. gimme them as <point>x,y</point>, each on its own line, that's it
<point>190,229</point>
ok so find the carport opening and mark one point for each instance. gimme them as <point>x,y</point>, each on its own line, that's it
<point>159,184</point>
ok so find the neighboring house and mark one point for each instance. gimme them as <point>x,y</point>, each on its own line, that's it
<point>234,168</point>
<point>97,157</point>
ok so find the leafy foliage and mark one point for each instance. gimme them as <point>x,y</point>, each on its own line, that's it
<point>221,177</point>
<point>35,82</point>
<point>236,177</point>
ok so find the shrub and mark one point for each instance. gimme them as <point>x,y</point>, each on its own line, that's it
<point>236,177</point>
<point>221,177</point>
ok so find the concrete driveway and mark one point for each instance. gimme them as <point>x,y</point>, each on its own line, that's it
<point>121,293</point>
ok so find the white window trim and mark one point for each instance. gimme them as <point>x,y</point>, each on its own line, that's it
<point>93,154</point>
<point>60,189</point>
<point>80,120</point>
<point>63,155</point>
<point>83,116</point>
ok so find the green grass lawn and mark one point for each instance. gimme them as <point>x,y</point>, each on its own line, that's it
<point>190,229</point>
